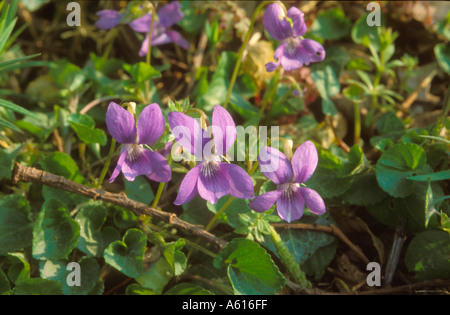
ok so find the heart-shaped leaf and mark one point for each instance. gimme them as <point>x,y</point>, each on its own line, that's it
<point>55,233</point>
<point>127,255</point>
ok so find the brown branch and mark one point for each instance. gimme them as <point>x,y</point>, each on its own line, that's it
<point>333,229</point>
<point>412,97</point>
<point>29,174</point>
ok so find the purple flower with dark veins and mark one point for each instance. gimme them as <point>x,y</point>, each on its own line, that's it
<point>288,28</point>
<point>291,195</point>
<point>134,159</point>
<point>168,15</point>
<point>210,178</point>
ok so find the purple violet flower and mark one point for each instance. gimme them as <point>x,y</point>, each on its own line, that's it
<point>288,28</point>
<point>108,19</point>
<point>167,16</point>
<point>134,159</point>
<point>291,195</point>
<point>211,178</point>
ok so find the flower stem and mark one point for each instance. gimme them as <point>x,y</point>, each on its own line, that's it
<point>270,92</point>
<point>241,52</point>
<point>161,187</point>
<point>107,163</point>
<point>218,213</point>
<point>289,260</point>
<point>357,123</point>
<point>149,53</point>
<point>212,222</point>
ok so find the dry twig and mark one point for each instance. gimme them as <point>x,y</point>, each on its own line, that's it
<point>29,174</point>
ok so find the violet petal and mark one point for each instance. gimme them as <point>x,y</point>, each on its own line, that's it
<point>161,171</point>
<point>188,133</point>
<point>304,162</point>
<point>315,50</point>
<point>272,66</point>
<point>224,130</point>
<point>313,200</point>
<point>290,209</point>
<point>142,24</point>
<point>275,22</point>
<point>241,184</point>
<point>118,167</point>
<point>188,188</point>
<point>151,124</point>
<point>275,165</point>
<point>139,165</point>
<point>120,123</point>
<point>265,201</point>
<point>299,25</point>
<point>108,19</point>
<point>170,14</point>
<point>295,55</point>
<point>212,185</point>
<point>176,38</point>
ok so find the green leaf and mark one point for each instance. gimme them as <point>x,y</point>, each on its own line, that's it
<point>364,190</point>
<point>55,233</point>
<point>331,24</point>
<point>194,20</point>
<point>127,255</point>
<point>62,164</point>
<point>442,52</point>
<point>218,88</point>
<point>123,218</point>
<point>443,175</point>
<point>38,286</point>
<point>141,72</point>
<point>430,209</point>
<point>157,276</point>
<point>316,265</point>
<point>17,108</point>
<point>83,125</point>
<point>303,243</point>
<point>212,33</point>
<point>19,269</point>
<point>428,255</point>
<point>364,34</point>
<point>139,190</point>
<point>355,162</point>
<point>389,127</point>
<point>250,268</point>
<point>14,61</point>
<point>68,76</point>
<point>10,125</point>
<point>57,270</point>
<point>443,27</point>
<point>7,158</point>
<point>395,166</point>
<point>136,289</point>
<point>413,207</point>
<point>188,289</point>
<point>94,235</point>
<point>175,257</point>
<point>232,212</point>
<point>328,86</point>
<point>41,127</point>
<point>16,227</point>
<point>5,287</point>
<point>330,179</point>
